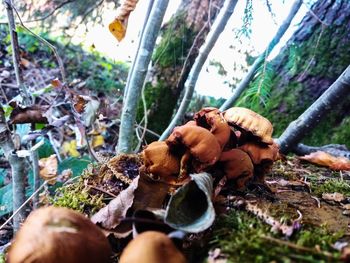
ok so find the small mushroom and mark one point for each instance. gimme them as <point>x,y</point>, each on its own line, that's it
<point>248,120</point>
<point>160,162</point>
<point>262,156</point>
<point>56,235</point>
<point>237,167</point>
<point>201,144</point>
<point>212,119</point>
<point>151,247</point>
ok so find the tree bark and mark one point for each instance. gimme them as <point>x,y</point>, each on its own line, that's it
<point>244,83</point>
<point>173,58</point>
<point>313,58</point>
<point>317,111</point>
<point>217,28</point>
<point>148,40</point>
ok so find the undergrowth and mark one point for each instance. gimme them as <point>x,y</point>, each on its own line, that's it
<point>244,238</point>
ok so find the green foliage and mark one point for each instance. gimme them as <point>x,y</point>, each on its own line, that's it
<point>246,28</point>
<point>259,90</point>
<point>240,236</point>
<point>2,258</point>
<point>97,72</point>
<point>46,149</point>
<point>77,165</point>
<point>331,186</point>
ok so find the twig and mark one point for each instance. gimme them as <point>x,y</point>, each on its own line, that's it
<point>51,13</point>
<point>315,16</point>
<point>101,190</point>
<point>19,209</point>
<point>313,54</point>
<point>317,200</point>
<point>145,113</point>
<point>3,93</point>
<point>52,47</point>
<point>297,247</point>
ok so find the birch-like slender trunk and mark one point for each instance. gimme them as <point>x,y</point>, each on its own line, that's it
<point>126,132</point>
<point>297,129</point>
<point>217,28</point>
<point>258,62</point>
<point>19,171</point>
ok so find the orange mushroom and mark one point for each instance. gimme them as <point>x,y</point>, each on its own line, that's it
<point>262,156</point>
<point>160,162</point>
<point>56,235</point>
<point>199,142</point>
<point>250,121</point>
<point>237,167</point>
<point>151,247</point>
<point>212,119</point>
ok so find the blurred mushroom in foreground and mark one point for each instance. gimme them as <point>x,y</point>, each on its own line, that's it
<point>151,247</point>
<point>56,235</point>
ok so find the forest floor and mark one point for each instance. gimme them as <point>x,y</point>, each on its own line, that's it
<point>301,214</point>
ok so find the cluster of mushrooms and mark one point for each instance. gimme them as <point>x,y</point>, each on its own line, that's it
<point>235,145</point>
<point>236,142</point>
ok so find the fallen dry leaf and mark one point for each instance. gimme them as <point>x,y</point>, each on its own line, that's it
<point>328,160</point>
<point>337,197</point>
<point>48,168</point>
<point>120,23</point>
<point>111,215</point>
<point>30,114</point>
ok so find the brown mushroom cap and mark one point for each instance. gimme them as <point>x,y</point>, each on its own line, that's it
<point>151,247</point>
<point>212,119</point>
<point>250,121</point>
<point>201,143</point>
<point>56,235</point>
<point>237,166</point>
<point>160,161</point>
<point>260,153</point>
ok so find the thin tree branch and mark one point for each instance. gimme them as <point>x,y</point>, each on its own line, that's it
<point>148,40</point>
<point>297,129</point>
<point>51,13</point>
<point>52,47</point>
<point>217,28</point>
<point>23,205</point>
<point>246,80</point>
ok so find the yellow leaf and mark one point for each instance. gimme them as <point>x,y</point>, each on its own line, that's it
<point>97,140</point>
<point>118,29</point>
<point>70,148</point>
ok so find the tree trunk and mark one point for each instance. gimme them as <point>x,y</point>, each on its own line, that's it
<point>314,57</point>
<point>186,28</point>
<point>318,110</point>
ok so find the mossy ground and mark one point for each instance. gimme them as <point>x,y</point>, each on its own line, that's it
<point>241,236</point>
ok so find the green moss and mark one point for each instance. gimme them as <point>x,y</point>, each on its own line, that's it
<point>76,196</point>
<point>242,238</point>
<point>331,186</point>
<point>176,41</point>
